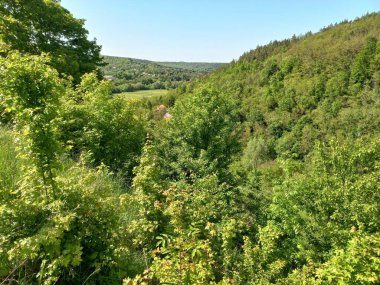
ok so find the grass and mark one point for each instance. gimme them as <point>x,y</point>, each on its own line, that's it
<point>144,94</point>
<point>9,164</point>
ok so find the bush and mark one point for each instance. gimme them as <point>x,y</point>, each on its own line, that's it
<point>104,128</point>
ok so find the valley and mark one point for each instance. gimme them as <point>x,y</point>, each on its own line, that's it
<point>264,170</point>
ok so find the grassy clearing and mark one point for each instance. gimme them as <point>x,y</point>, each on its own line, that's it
<point>144,94</point>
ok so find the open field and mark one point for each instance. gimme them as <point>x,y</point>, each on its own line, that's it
<point>144,94</point>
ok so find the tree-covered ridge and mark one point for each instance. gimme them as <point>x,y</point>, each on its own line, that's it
<point>300,199</point>
<point>130,74</point>
<point>311,87</point>
<point>195,66</point>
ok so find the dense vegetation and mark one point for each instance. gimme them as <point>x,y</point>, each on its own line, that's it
<point>130,74</point>
<point>35,26</point>
<point>267,171</point>
<point>195,66</point>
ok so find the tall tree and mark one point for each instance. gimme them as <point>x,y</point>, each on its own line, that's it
<point>36,26</point>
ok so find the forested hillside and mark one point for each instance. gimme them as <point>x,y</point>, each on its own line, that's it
<point>195,66</point>
<point>130,74</point>
<point>312,87</point>
<point>266,171</point>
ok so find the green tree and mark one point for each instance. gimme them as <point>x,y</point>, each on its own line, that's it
<point>183,195</point>
<point>105,129</point>
<point>60,223</point>
<point>36,26</point>
<point>200,140</point>
<point>31,89</point>
<point>202,137</point>
<point>319,210</point>
<point>361,72</point>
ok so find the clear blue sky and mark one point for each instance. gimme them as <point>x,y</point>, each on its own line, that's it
<point>205,30</point>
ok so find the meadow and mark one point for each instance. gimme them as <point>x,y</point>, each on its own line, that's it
<point>144,94</point>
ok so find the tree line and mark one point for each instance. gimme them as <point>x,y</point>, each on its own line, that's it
<point>128,74</point>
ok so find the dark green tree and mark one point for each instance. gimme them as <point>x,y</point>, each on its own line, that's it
<point>361,71</point>
<point>202,137</point>
<point>60,223</point>
<point>104,128</point>
<point>36,26</point>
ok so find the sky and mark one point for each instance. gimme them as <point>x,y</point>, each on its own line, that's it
<point>205,30</point>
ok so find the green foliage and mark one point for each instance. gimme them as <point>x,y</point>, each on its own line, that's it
<point>359,263</point>
<point>105,129</point>
<point>31,90</point>
<point>285,210</point>
<point>322,77</point>
<point>130,74</point>
<point>182,199</point>
<point>204,128</point>
<point>257,152</point>
<point>68,240</point>
<point>9,166</point>
<point>258,265</point>
<point>267,171</point>
<point>195,66</point>
<point>198,244</point>
<point>319,209</point>
<point>190,146</point>
<point>60,222</point>
<point>40,26</point>
<point>361,72</point>
<point>146,95</point>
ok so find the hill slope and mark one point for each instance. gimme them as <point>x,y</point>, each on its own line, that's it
<point>194,66</point>
<point>268,171</point>
<point>313,86</point>
<point>131,74</point>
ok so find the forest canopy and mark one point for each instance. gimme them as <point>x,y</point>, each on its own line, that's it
<point>129,74</point>
<point>37,26</point>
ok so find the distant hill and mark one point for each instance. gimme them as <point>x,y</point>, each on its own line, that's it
<point>129,74</point>
<point>194,66</point>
